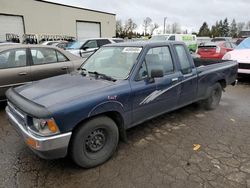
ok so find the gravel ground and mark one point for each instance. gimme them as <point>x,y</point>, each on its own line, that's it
<point>159,153</point>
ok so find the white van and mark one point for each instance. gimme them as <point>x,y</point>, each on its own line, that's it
<point>189,40</point>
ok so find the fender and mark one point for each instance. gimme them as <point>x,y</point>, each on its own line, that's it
<point>112,106</point>
<point>107,106</point>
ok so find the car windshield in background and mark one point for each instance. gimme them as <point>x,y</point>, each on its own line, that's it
<point>159,37</point>
<point>74,45</point>
<point>115,62</point>
<point>245,44</point>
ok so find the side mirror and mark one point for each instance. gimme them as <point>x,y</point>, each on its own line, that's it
<point>157,73</point>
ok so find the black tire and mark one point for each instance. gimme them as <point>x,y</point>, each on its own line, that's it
<point>213,100</point>
<point>94,142</point>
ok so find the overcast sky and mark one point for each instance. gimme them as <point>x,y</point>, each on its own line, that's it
<point>190,14</point>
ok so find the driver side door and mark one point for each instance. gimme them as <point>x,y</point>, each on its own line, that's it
<point>154,96</point>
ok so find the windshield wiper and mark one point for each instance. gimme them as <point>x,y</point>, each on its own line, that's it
<point>97,74</point>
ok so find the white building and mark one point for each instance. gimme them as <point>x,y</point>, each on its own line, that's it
<point>42,17</point>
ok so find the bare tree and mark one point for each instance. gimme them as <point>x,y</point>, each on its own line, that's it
<point>153,28</point>
<point>175,28</point>
<point>168,28</point>
<point>119,28</point>
<point>130,26</point>
<point>240,26</point>
<point>146,24</point>
<point>247,25</point>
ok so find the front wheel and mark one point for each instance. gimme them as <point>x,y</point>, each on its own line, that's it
<point>94,142</point>
<point>214,97</point>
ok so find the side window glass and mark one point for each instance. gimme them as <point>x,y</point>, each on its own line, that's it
<point>13,58</point>
<point>159,58</point>
<point>61,57</point>
<point>143,73</point>
<point>183,59</point>
<point>91,44</point>
<point>172,38</point>
<point>103,42</point>
<point>43,56</point>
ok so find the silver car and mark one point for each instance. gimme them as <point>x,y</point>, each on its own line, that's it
<point>87,47</point>
<point>20,64</point>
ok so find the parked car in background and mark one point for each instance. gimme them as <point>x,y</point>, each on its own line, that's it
<point>221,39</point>
<point>59,44</point>
<point>215,50</point>
<point>241,54</point>
<point>20,64</point>
<point>87,47</point>
<point>117,88</point>
<point>239,40</point>
<point>189,40</point>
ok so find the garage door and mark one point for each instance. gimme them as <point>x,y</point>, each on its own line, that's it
<point>87,30</point>
<point>11,24</point>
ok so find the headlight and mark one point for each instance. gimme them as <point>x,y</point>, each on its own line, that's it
<point>44,127</point>
<point>227,56</point>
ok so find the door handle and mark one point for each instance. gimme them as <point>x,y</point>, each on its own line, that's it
<point>64,68</point>
<point>175,79</point>
<point>22,73</point>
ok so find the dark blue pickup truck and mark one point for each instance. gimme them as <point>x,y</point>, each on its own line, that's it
<point>84,114</point>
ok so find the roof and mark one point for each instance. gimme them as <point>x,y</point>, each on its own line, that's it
<point>70,6</point>
<point>144,43</point>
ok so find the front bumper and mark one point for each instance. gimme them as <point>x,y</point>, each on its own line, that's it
<point>51,147</point>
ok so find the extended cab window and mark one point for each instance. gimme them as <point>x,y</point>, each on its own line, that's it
<point>43,56</point>
<point>13,58</point>
<point>183,59</point>
<point>156,58</point>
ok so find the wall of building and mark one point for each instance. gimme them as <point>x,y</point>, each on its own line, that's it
<point>46,18</point>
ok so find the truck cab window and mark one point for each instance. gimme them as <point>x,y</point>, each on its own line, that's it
<point>158,58</point>
<point>183,59</point>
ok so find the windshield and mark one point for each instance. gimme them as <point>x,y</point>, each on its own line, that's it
<point>115,62</point>
<point>245,44</point>
<point>159,37</point>
<point>74,45</point>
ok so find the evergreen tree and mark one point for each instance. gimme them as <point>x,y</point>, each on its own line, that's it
<point>215,30</point>
<point>204,30</point>
<point>233,29</point>
<point>225,30</point>
<point>220,28</point>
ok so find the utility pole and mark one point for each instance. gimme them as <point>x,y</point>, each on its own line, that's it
<point>164,29</point>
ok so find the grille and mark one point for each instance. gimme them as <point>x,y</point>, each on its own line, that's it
<point>244,66</point>
<point>20,116</point>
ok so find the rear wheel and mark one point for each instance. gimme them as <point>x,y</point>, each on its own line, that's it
<point>214,97</point>
<point>94,142</point>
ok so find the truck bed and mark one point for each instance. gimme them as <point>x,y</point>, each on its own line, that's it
<point>204,62</point>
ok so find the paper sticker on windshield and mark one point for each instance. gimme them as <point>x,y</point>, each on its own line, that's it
<point>131,50</point>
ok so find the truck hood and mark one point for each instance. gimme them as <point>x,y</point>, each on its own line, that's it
<point>61,89</point>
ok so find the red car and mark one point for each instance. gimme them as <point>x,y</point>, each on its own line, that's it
<point>214,50</point>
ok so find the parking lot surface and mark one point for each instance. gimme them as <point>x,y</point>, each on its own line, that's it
<point>159,153</point>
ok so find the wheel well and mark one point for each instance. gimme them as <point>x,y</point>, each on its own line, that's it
<point>223,83</point>
<point>116,117</point>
